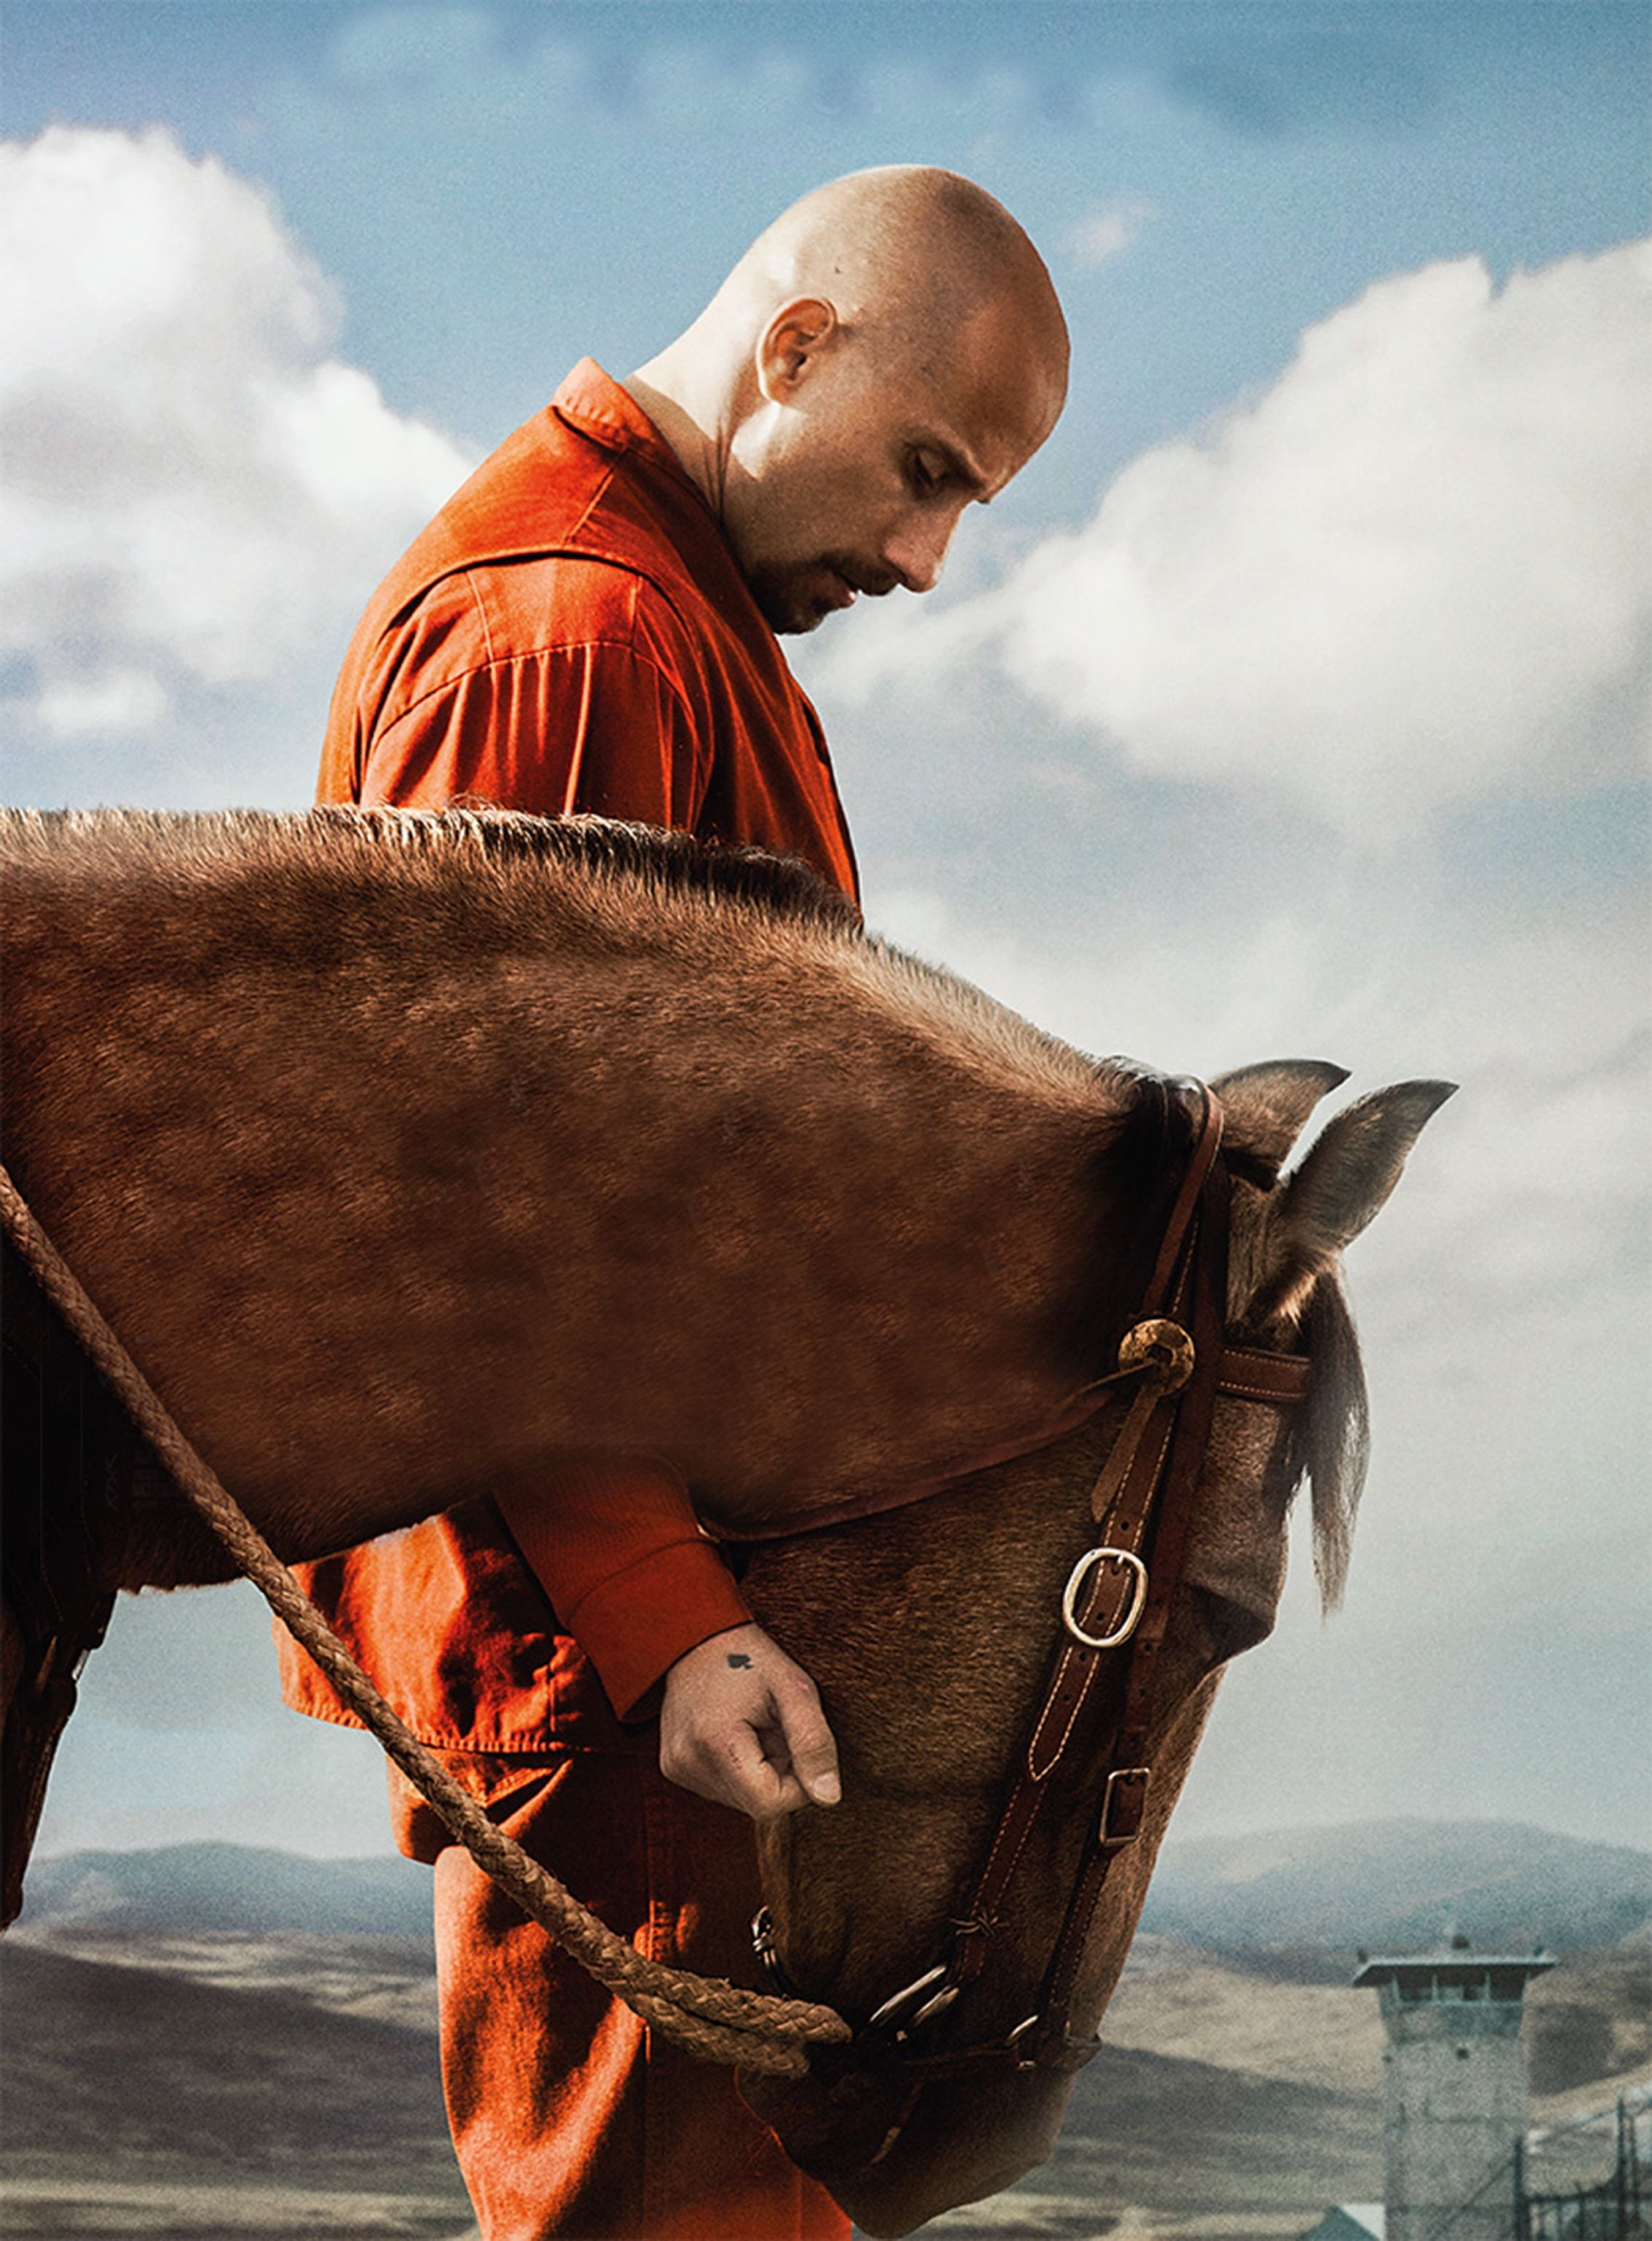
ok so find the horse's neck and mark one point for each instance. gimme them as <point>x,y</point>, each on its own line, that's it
<point>456,1214</point>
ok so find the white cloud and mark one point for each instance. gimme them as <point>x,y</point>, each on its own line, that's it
<point>1106,232</point>
<point>1531,1194</point>
<point>197,492</point>
<point>118,700</point>
<point>1417,567</point>
<point>1416,570</point>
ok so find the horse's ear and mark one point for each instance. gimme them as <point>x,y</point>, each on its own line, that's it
<point>1266,1107</point>
<point>1341,1185</point>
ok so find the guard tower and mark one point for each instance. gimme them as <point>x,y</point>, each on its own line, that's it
<point>1453,2088</point>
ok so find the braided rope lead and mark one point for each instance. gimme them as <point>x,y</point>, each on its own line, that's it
<point>707,2016</point>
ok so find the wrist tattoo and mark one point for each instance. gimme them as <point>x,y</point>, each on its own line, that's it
<point>737,1657</point>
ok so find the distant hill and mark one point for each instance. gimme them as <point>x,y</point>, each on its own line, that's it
<point>1379,1884</point>
<point>333,2125</point>
<point>141,2102</point>
<point>1395,1885</point>
<point>175,2068</point>
<point>200,1887</point>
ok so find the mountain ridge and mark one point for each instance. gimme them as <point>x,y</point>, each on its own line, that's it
<point>292,2074</point>
<point>222,1885</point>
<point>1406,1884</point>
<point>1402,1884</point>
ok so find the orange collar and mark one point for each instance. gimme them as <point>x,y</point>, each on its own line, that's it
<point>594,403</point>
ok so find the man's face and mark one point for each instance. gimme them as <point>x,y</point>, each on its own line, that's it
<point>855,481</point>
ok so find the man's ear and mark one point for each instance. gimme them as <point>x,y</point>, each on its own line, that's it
<point>789,344</point>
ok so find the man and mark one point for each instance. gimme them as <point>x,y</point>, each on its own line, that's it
<point>590,625</point>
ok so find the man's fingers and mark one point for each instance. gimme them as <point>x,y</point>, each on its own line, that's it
<point>742,1768</point>
<point>753,1777</point>
<point>809,1742</point>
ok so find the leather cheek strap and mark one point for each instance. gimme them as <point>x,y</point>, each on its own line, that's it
<point>1246,1373</point>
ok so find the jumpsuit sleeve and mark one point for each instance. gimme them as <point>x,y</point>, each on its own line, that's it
<point>597,722</point>
<point>619,1550</point>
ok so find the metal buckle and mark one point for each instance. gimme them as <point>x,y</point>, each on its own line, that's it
<point>1125,1626</point>
<point>885,2017</point>
<point>1103,1833</point>
<point>766,1947</point>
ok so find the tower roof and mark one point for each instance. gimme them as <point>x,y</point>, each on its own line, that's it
<point>1504,1975</point>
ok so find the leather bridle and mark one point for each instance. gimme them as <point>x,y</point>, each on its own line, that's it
<point>1114,1615</point>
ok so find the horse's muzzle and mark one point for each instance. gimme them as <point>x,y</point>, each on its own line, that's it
<point>895,2153</point>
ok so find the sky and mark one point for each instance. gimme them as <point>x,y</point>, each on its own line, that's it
<point>1293,702</point>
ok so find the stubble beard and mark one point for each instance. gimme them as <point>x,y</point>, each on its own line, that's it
<point>795,597</point>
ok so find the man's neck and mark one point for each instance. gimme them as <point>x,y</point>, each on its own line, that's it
<point>698,453</point>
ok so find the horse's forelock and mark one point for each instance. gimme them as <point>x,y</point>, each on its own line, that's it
<point>1141,1139</point>
<point>1330,1444</point>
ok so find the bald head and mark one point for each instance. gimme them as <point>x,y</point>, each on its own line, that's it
<point>907,255</point>
<point>888,350</point>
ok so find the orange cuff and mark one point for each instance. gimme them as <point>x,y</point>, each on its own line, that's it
<point>619,1550</point>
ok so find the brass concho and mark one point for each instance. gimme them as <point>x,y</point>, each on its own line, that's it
<point>1160,1347</point>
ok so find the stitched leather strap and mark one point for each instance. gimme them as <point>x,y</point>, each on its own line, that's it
<point>1121,1501</point>
<point>1179,1228</point>
<point>1247,1373</point>
<point>1125,1798</point>
<point>1145,1498</point>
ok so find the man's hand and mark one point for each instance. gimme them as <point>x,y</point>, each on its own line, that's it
<point>742,1725</point>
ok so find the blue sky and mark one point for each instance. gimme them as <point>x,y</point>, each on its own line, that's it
<point>1292,701</point>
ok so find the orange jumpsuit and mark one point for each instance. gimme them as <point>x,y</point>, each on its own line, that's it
<point>572,632</point>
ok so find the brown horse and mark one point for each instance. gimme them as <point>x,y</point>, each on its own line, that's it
<point>408,1152</point>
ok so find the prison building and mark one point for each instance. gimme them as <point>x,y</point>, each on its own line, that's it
<point>1453,2088</point>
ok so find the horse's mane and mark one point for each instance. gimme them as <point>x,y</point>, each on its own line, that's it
<point>1331,1434</point>
<point>667,863</point>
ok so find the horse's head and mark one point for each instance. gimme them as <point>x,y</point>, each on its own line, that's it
<point>930,1630</point>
